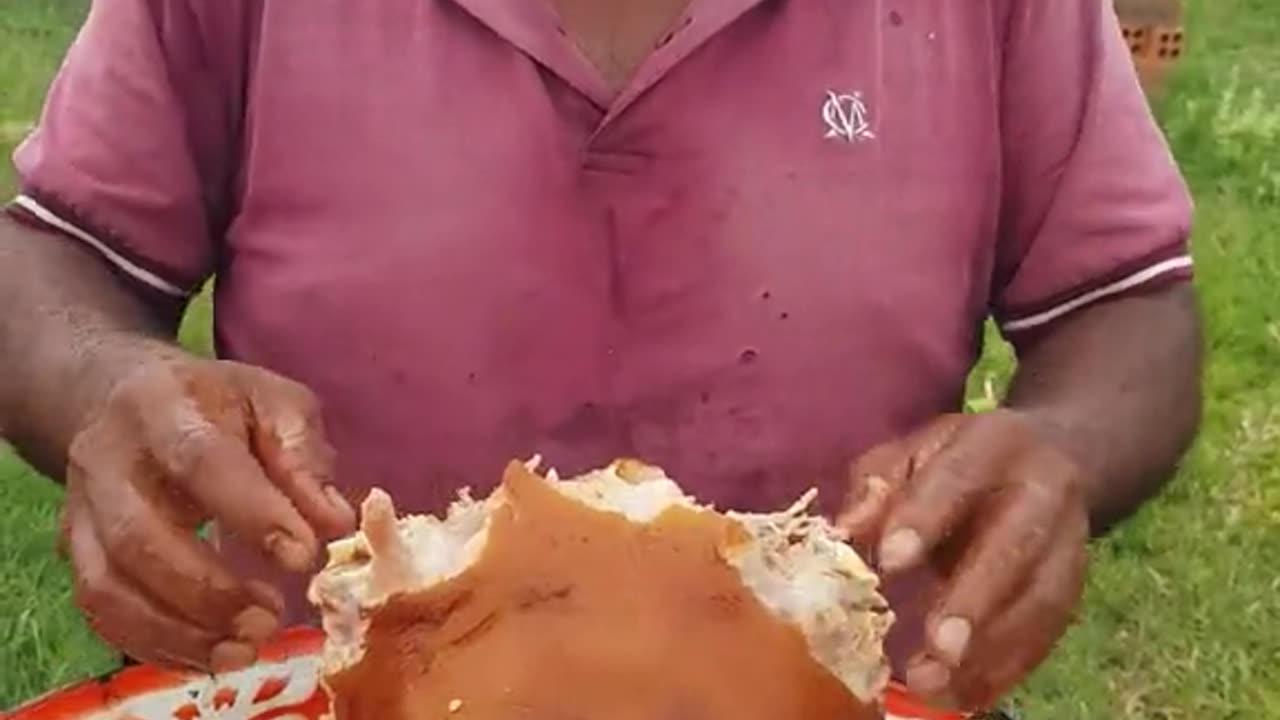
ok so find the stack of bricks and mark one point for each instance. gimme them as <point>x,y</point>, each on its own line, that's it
<point>1153,29</point>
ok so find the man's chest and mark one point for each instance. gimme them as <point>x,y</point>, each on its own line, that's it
<point>616,35</point>
<point>789,219</point>
<point>850,124</point>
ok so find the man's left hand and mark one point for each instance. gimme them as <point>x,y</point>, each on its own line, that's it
<point>1001,514</point>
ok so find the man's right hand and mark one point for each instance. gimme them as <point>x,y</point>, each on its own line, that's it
<point>180,442</point>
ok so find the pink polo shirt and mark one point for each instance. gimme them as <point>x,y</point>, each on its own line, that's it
<point>773,249</point>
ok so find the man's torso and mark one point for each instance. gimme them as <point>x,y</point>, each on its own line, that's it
<point>770,249</point>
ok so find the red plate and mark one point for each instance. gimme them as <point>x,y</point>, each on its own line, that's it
<point>284,685</point>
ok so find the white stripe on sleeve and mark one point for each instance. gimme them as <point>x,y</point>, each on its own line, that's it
<point>141,274</point>
<point>1137,279</point>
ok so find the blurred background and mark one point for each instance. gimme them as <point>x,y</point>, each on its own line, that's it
<point>1182,618</point>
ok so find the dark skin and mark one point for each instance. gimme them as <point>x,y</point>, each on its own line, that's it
<point>616,36</point>
<point>152,442</point>
<point>1003,504</point>
<point>76,334</point>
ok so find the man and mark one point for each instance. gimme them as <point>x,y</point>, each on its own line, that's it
<point>751,241</point>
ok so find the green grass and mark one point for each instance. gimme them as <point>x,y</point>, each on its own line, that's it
<point>1183,609</point>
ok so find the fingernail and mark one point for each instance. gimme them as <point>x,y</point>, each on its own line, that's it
<point>266,595</point>
<point>290,553</point>
<point>952,638</point>
<point>877,488</point>
<point>255,625</point>
<point>865,508</point>
<point>339,503</point>
<point>900,550</point>
<point>291,431</point>
<point>231,655</point>
<point>928,678</point>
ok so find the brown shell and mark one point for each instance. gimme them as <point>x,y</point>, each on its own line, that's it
<point>572,612</point>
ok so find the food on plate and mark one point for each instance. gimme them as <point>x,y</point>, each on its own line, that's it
<point>609,595</point>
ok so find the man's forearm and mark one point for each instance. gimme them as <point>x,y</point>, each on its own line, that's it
<point>69,329</point>
<point>1118,387</point>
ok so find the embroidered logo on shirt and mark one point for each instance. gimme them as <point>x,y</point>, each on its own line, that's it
<point>847,117</point>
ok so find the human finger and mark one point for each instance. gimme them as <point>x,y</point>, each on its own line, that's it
<point>193,422</point>
<point>885,470</point>
<point>1012,535</point>
<point>212,464</point>
<point>1023,635</point>
<point>943,493</point>
<point>288,438</point>
<point>106,477</point>
<point>126,618</point>
<point>173,566</point>
<point>871,481</point>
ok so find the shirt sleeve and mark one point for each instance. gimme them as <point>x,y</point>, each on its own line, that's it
<point>130,154</point>
<point>1094,205</point>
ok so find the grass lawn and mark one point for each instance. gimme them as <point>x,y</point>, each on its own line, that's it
<point>1183,610</point>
